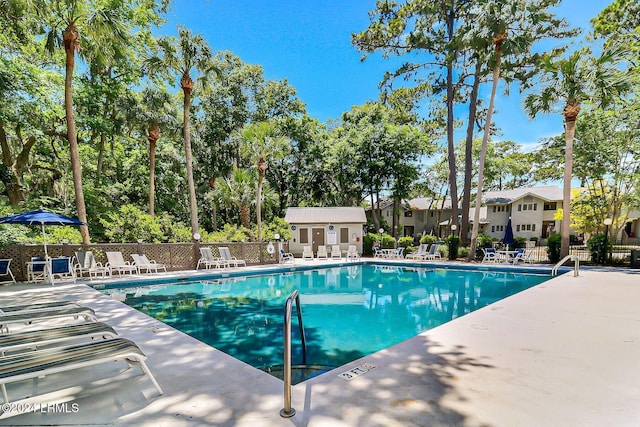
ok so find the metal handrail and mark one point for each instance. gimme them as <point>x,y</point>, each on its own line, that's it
<point>576,267</point>
<point>288,411</point>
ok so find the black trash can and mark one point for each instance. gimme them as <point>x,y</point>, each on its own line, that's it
<point>635,258</point>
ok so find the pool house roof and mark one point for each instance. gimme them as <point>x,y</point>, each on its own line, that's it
<point>326,215</point>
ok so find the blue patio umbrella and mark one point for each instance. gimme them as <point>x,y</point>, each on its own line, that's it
<point>41,217</point>
<point>508,235</point>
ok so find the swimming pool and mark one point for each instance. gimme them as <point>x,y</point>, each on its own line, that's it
<point>348,312</point>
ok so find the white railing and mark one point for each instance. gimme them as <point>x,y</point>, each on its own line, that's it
<point>576,267</point>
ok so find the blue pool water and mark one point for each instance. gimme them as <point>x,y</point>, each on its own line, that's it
<point>348,312</point>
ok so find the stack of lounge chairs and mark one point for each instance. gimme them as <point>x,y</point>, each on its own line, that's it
<point>37,340</point>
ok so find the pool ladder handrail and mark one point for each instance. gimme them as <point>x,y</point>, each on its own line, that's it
<point>576,267</point>
<point>288,411</point>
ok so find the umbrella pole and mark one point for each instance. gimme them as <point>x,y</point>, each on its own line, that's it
<point>44,240</point>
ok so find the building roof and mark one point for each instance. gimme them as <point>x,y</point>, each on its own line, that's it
<point>425,203</point>
<point>549,193</point>
<point>324,215</point>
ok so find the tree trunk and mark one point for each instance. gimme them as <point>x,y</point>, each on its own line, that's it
<point>468,159</point>
<point>262,167</point>
<point>187,86</point>
<point>374,215</point>
<point>152,137</point>
<point>453,185</point>
<point>245,214</point>
<point>497,41</point>
<point>99,165</point>
<point>571,111</point>
<point>71,43</point>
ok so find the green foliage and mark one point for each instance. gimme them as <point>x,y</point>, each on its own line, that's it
<point>453,245</point>
<point>388,242</point>
<point>428,239</point>
<point>130,224</point>
<point>519,242</point>
<point>277,226</point>
<point>367,243</point>
<point>598,246</point>
<point>553,247</point>
<point>463,251</point>
<point>482,242</point>
<point>230,233</point>
<point>405,242</point>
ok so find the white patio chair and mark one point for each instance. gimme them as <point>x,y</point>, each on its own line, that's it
<point>5,270</point>
<point>352,253</point>
<point>207,260</point>
<point>322,252</point>
<point>141,262</point>
<point>86,263</point>
<point>336,253</point>
<point>286,256</point>
<point>117,263</point>
<point>422,251</point>
<point>225,254</point>
<point>307,252</point>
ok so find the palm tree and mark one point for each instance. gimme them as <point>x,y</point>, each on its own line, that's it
<point>260,141</point>
<point>238,191</point>
<point>572,80</point>
<point>181,56</point>
<point>106,32</point>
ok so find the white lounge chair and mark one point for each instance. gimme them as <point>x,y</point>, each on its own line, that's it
<point>5,270</point>
<point>39,306</point>
<point>141,262</point>
<point>336,253</point>
<point>117,263</point>
<point>40,363</point>
<point>31,340</point>
<point>434,252</point>
<point>207,260</point>
<point>422,251</point>
<point>86,263</point>
<point>286,256</point>
<point>352,253</point>
<point>225,254</point>
<point>322,252</point>
<point>28,317</point>
<point>307,252</point>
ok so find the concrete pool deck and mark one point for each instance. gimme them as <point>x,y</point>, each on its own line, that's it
<point>563,353</point>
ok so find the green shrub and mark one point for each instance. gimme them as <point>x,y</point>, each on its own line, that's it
<point>553,247</point>
<point>482,242</point>
<point>519,242</point>
<point>453,244</point>
<point>388,242</point>
<point>463,252</point>
<point>368,242</point>
<point>428,239</point>
<point>598,245</point>
<point>405,242</point>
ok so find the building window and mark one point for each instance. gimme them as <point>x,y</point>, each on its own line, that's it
<point>528,207</point>
<point>526,227</point>
<point>550,206</point>
<point>408,214</point>
<point>493,228</point>
<point>432,213</point>
<point>494,209</point>
<point>304,235</point>
<point>344,235</point>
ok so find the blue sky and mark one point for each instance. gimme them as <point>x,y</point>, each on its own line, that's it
<point>308,43</point>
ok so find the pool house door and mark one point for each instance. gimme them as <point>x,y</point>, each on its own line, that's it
<point>318,238</point>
